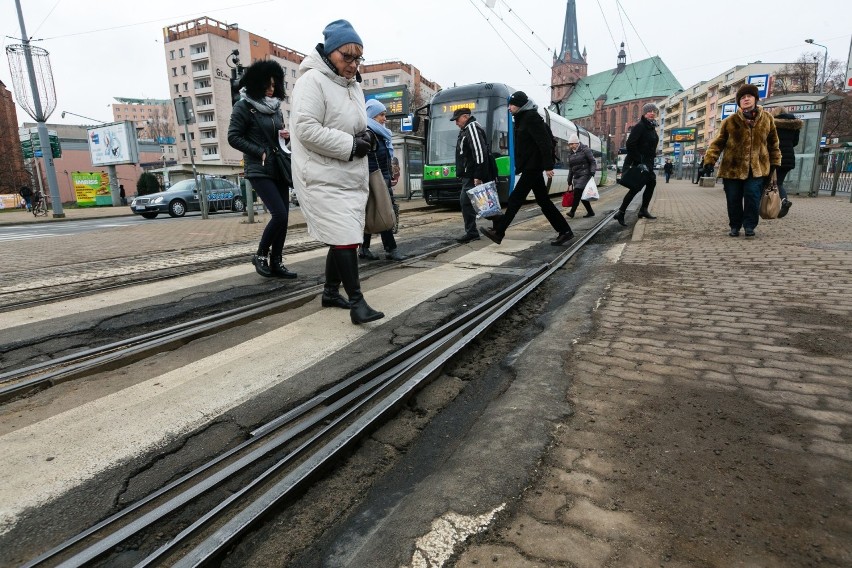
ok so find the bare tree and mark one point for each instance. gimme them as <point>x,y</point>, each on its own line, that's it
<point>799,76</point>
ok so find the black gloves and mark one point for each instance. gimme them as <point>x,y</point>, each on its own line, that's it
<point>364,142</point>
<point>643,168</point>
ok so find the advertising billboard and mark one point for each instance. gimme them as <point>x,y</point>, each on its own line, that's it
<point>683,134</point>
<point>91,188</point>
<point>113,144</point>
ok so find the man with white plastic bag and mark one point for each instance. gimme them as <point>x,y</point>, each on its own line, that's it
<point>473,166</point>
<point>485,200</point>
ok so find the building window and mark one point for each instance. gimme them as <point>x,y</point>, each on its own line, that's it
<point>172,55</point>
<point>729,76</point>
<point>391,79</point>
<point>183,69</point>
<point>294,72</point>
<point>180,52</point>
<point>635,112</point>
<point>177,88</point>
<point>375,82</point>
<point>174,71</point>
<point>254,42</point>
<point>185,87</point>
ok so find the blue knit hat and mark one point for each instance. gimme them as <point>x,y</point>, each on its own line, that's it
<point>339,32</point>
<point>375,108</point>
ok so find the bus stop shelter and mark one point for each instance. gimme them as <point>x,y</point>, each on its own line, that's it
<point>810,108</point>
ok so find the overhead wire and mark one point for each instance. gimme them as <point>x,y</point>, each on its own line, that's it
<point>650,55</point>
<point>511,29</point>
<point>488,21</point>
<point>38,27</point>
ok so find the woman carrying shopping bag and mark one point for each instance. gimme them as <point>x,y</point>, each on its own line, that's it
<point>581,167</point>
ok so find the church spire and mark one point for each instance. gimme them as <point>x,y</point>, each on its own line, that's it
<point>570,51</point>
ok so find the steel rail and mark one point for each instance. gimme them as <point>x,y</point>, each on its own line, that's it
<point>213,546</point>
<point>411,364</point>
<point>113,355</point>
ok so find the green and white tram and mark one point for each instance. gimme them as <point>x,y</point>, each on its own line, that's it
<point>489,104</point>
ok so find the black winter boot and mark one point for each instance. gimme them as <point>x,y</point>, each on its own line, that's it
<point>331,297</point>
<point>644,213</point>
<point>261,265</point>
<point>620,218</point>
<point>279,270</point>
<point>346,261</point>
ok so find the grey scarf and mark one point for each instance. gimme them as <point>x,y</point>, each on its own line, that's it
<point>269,105</point>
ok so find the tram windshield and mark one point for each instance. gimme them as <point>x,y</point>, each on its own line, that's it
<point>443,134</point>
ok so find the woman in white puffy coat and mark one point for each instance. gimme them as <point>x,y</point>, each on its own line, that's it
<point>330,142</point>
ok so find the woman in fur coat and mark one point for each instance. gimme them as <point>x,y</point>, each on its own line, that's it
<point>750,145</point>
<point>788,127</point>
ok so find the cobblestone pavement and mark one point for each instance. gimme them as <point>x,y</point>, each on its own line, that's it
<point>711,402</point>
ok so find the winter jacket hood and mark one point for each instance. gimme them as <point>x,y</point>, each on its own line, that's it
<point>748,150</point>
<point>331,185</point>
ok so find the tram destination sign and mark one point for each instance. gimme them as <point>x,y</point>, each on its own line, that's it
<point>683,134</point>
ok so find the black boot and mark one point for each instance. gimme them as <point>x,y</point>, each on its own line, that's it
<point>279,270</point>
<point>644,213</point>
<point>365,252</point>
<point>346,261</point>
<point>261,265</point>
<point>331,297</point>
<point>394,254</point>
<point>620,218</point>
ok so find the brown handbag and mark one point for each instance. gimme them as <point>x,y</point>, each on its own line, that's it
<point>770,202</point>
<point>379,216</point>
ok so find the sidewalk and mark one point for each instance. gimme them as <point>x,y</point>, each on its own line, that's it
<point>709,407</point>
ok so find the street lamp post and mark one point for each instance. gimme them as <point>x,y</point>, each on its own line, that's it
<point>824,61</point>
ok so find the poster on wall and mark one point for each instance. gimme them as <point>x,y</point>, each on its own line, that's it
<point>91,188</point>
<point>113,144</point>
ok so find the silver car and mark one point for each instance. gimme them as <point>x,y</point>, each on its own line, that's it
<point>183,196</point>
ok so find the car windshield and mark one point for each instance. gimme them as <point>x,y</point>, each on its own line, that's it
<point>185,185</point>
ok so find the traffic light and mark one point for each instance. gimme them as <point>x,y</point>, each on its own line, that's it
<point>236,76</point>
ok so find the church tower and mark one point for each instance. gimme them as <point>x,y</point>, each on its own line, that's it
<point>569,66</point>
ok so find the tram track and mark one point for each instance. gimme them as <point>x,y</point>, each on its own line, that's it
<point>298,446</point>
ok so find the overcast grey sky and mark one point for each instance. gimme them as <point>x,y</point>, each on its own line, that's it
<point>104,49</point>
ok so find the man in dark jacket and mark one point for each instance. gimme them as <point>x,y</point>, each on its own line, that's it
<point>641,149</point>
<point>668,168</point>
<point>473,166</point>
<point>533,155</point>
<point>27,195</point>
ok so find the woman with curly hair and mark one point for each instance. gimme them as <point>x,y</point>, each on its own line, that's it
<point>256,128</point>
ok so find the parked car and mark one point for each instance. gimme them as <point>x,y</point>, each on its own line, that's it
<point>183,196</point>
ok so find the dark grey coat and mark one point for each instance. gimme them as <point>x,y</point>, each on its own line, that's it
<point>582,166</point>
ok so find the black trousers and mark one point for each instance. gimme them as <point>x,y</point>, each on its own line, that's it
<point>646,197</point>
<point>531,181</point>
<point>276,202</point>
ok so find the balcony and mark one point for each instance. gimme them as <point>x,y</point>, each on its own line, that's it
<point>201,74</point>
<point>204,90</point>
<point>199,56</point>
<point>209,157</point>
<point>207,107</point>
<point>208,141</point>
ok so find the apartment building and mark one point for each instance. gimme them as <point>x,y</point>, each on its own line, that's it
<point>378,74</point>
<point>154,118</point>
<point>200,55</point>
<point>701,106</point>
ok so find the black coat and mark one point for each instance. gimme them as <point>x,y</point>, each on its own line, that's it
<point>533,143</point>
<point>788,127</point>
<point>473,156</point>
<point>642,144</point>
<point>581,167</point>
<point>245,134</point>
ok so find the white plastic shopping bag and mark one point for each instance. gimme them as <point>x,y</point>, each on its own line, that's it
<point>485,200</point>
<point>591,191</point>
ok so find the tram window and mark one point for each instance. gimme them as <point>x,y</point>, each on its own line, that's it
<point>499,130</point>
